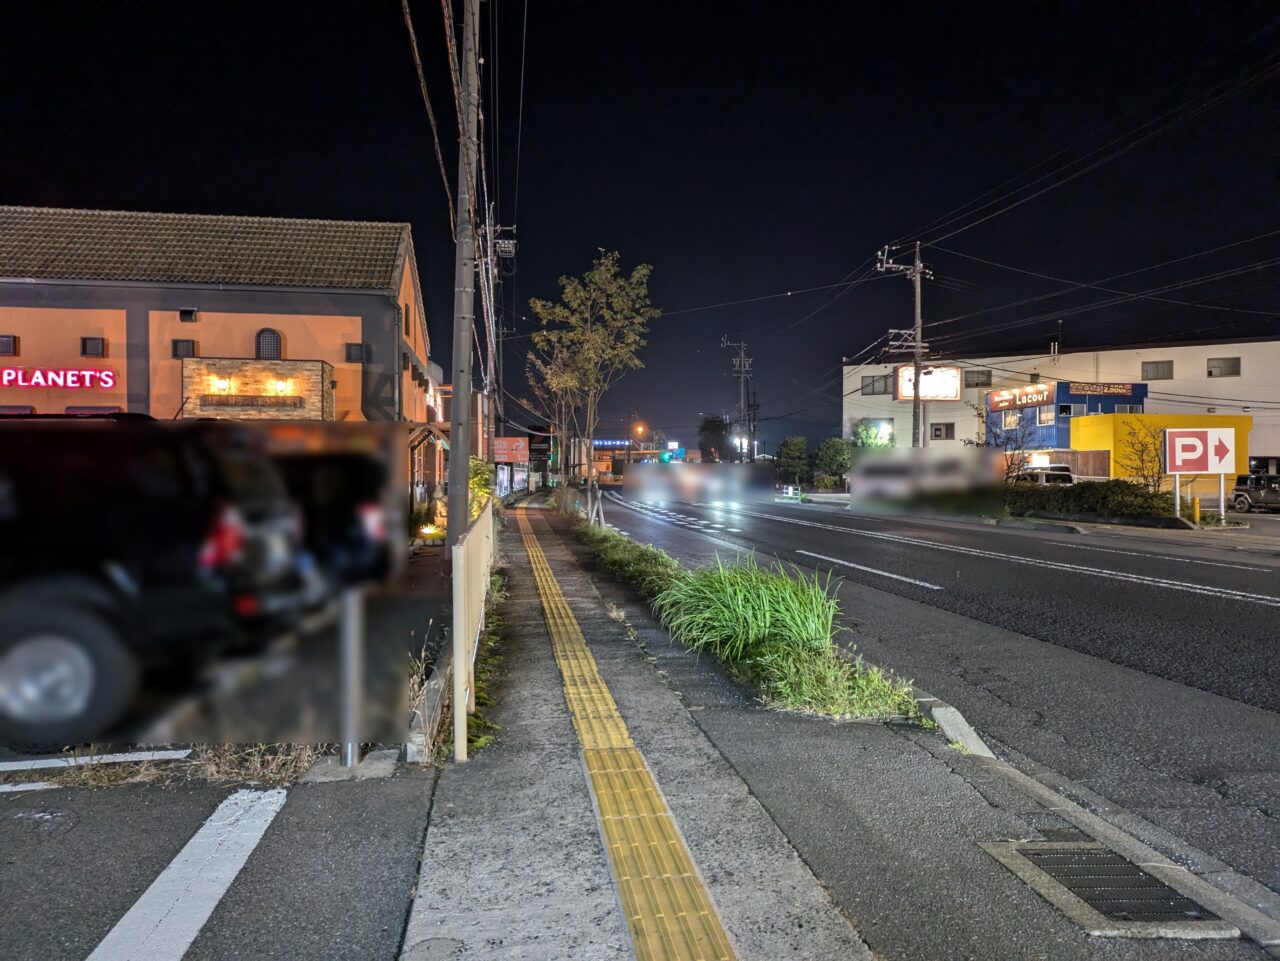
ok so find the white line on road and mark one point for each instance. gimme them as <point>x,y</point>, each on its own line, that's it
<point>1218,592</point>
<point>132,757</point>
<point>872,570</point>
<point>1166,557</point>
<point>26,786</point>
<point>164,922</point>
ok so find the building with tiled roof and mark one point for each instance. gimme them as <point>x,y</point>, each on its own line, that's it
<point>195,315</point>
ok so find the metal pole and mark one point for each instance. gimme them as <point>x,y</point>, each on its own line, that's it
<point>464,289</point>
<point>461,670</point>
<point>351,672</point>
<point>1222,497</point>
<point>918,351</point>
<point>1177,505</point>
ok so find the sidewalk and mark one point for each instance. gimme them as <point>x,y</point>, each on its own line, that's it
<point>805,838</point>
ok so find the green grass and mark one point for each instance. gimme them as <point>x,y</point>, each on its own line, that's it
<point>771,626</point>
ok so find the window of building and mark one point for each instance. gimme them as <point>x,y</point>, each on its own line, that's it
<point>1128,408</point>
<point>1157,370</point>
<point>268,344</point>
<point>1046,416</point>
<point>93,347</point>
<point>1012,418</point>
<point>1071,410</point>
<point>357,353</point>
<point>878,384</point>
<point>8,345</point>
<point>184,348</point>
<point>1224,367</point>
<point>942,431</point>
<point>187,315</point>
<point>977,378</point>
<point>1035,377</point>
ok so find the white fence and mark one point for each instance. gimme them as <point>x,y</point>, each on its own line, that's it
<point>472,562</point>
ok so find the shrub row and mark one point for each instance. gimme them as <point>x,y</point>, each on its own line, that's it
<point>1112,498</point>
<point>770,626</point>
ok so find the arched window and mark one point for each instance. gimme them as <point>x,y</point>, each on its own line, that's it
<point>268,344</point>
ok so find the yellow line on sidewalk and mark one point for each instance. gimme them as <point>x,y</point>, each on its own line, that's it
<point>669,912</point>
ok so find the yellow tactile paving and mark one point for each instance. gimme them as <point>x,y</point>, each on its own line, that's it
<point>669,912</point>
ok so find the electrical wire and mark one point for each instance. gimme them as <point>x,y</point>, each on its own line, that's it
<point>524,43</point>
<point>431,114</point>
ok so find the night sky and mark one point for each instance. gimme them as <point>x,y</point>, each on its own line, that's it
<point>742,149</point>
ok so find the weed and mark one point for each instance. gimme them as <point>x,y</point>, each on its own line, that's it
<point>958,746</point>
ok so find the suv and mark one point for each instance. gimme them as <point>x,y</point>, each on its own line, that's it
<point>124,545</point>
<point>1050,474</point>
<point>1256,492</point>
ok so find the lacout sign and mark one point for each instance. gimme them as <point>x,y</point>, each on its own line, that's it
<point>56,377</point>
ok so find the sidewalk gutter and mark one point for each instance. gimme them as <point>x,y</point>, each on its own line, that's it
<point>951,722</point>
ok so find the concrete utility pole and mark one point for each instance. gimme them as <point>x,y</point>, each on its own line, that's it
<point>755,411</point>
<point>898,339</point>
<point>464,280</point>
<point>741,366</point>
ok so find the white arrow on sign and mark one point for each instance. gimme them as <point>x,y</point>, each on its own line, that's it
<point>1222,450</point>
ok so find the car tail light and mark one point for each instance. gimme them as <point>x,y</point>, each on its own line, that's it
<point>373,519</point>
<point>224,543</point>
<point>245,605</point>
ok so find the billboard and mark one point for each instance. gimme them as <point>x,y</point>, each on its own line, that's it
<point>936,383</point>
<point>1032,395</point>
<point>1200,450</point>
<point>510,450</point>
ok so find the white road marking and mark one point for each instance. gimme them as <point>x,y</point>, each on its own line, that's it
<point>872,570</point>
<point>132,757</point>
<point>734,530</point>
<point>26,786</point>
<point>164,922</point>
<point>1166,557</point>
<point>1219,592</point>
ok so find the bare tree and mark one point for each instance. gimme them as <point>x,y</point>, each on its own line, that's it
<point>1140,454</point>
<point>1013,442</point>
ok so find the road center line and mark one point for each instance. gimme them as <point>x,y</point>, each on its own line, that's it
<point>1219,592</point>
<point>164,922</point>
<point>871,570</point>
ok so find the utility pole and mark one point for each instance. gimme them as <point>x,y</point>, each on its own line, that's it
<point>464,281</point>
<point>913,338</point>
<point>742,367</point>
<point>755,411</point>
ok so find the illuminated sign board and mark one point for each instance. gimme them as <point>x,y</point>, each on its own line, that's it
<point>56,377</point>
<point>605,442</point>
<point>936,383</point>
<point>1032,395</point>
<point>510,450</point>
<point>1109,390</point>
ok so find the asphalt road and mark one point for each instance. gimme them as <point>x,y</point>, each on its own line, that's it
<point>1145,671</point>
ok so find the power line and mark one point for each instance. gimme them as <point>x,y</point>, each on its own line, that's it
<point>524,43</point>
<point>431,114</point>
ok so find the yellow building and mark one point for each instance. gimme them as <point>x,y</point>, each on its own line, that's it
<point>1124,437</point>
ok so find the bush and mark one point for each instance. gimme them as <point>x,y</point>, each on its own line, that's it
<point>825,482</point>
<point>646,568</point>
<point>1113,498</point>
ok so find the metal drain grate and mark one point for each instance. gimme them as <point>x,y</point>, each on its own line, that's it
<point>1105,894</point>
<point>1113,886</point>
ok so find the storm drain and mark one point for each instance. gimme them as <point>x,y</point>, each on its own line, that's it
<point>1106,894</point>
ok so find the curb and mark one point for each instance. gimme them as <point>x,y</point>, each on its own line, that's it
<point>951,722</point>
<point>424,721</point>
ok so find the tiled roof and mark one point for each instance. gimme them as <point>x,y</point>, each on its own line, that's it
<point>61,244</point>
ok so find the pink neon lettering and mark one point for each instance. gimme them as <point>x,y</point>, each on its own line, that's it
<point>37,379</point>
<point>8,376</point>
<point>59,377</point>
<point>56,378</point>
<point>73,378</point>
<point>107,378</point>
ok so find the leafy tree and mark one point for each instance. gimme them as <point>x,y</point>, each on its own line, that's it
<point>833,457</point>
<point>595,332</point>
<point>865,433</point>
<point>1140,454</point>
<point>793,458</point>
<point>713,438</point>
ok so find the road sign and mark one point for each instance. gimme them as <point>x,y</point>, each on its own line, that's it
<point>510,450</point>
<point>1200,450</point>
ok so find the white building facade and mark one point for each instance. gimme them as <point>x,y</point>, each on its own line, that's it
<point>1226,377</point>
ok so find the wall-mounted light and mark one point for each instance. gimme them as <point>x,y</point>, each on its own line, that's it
<point>282,387</point>
<point>222,385</point>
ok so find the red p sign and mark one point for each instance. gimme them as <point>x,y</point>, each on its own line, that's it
<point>1200,450</point>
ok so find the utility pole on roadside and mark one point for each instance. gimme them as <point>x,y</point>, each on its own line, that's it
<point>742,367</point>
<point>464,283</point>
<point>755,411</point>
<point>913,338</point>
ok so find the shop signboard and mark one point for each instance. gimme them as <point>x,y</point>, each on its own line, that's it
<point>1104,390</point>
<point>936,383</point>
<point>1031,395</point>
<point>510,450</point>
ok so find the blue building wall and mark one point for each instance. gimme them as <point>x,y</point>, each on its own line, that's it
<point>1056,435</point>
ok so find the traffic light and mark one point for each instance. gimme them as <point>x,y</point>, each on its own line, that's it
<point>665,457</point>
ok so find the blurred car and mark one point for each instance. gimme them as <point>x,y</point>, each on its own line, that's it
<point>1048,474</point>
<point>129,546</point>
<point>346,518</point>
